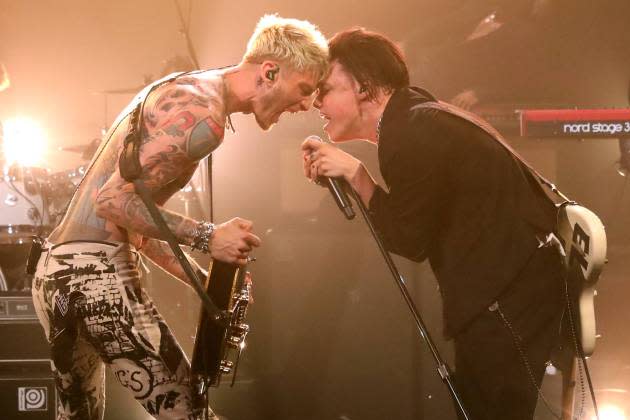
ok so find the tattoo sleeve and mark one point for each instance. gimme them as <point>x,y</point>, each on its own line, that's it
<point>127,210</point>
<point>160,253</point>
<point>204,138</point>
<point>179,129</point>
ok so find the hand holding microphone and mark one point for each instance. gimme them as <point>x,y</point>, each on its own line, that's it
<point>327,165</point>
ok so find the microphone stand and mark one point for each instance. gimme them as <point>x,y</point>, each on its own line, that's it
<point>442,367</point>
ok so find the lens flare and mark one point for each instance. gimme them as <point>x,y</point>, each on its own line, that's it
<point>23,142</point>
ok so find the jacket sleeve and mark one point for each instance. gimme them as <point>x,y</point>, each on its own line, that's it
<point>411,214</point>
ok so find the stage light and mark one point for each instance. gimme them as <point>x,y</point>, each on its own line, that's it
<point>610,412</point>
<point>23,142</point>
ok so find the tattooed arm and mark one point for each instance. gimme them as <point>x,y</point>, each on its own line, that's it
<point>180,129</point>
<point>161,254</point>
<point>231,241</point>
<point>118,202</point>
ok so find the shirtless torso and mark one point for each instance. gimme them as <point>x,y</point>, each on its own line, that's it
<point>183,122</point>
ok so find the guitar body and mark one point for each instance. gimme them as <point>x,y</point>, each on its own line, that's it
<point>217,347</point>
<point>584,242</point>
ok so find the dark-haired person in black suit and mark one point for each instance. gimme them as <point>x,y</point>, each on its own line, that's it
<point>457,197</point>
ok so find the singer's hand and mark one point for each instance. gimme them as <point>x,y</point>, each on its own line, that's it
<point>324,159</point>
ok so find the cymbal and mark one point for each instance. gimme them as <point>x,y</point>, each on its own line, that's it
<point>172,65</point>
<point>74,149</point>
<point>86,150</point>
<point>121,91</point>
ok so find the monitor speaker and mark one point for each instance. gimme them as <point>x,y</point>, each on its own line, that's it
<point>27,390</point>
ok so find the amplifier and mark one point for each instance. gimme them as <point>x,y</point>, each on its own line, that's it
<point>17,307</point>
<point>23,340</point>
<point>27,391</point>
<point>21,335</point>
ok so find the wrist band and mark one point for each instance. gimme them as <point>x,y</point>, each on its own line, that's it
<point>202,236</point>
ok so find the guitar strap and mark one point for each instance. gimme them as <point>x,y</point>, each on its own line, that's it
<point>131,170</point>
<point>443,106</point>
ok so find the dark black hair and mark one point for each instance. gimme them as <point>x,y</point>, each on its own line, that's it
<point>371,58</point>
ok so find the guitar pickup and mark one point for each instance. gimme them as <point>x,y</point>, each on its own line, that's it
<point>226,366</point>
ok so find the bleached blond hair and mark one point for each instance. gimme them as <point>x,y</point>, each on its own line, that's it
<point>297,43</point>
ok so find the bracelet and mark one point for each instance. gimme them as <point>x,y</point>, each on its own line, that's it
<point>202,236</point>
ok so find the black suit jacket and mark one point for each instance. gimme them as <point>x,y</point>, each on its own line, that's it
<point>458,197</point>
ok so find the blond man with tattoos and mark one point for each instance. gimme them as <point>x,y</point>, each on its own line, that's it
<point>87,288</point>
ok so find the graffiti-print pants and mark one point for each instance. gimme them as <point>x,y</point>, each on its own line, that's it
<point>94,312</point>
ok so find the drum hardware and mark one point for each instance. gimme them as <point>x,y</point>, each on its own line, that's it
<point>87,150</point>
<point>3,283</point>
<point>60,188</point>
<point>24,204</point>
<point>32,200</point>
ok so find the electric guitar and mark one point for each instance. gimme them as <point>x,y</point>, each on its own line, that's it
<point>584,244</point>
<point>217,349</point>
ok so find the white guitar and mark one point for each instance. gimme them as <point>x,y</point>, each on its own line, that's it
<point>584,242</point>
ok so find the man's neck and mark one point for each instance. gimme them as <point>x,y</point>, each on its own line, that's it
<point>239,82</point>
<point>375,114</point>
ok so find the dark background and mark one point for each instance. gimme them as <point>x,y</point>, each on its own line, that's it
<point>331,338</point>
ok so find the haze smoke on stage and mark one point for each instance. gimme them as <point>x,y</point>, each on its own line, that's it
<point>23,142</point>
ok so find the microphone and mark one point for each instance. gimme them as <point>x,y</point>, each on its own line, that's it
<point>335,186</point>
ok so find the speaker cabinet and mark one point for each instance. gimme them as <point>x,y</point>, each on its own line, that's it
<point>20,340</point>
<point>27,390</point>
